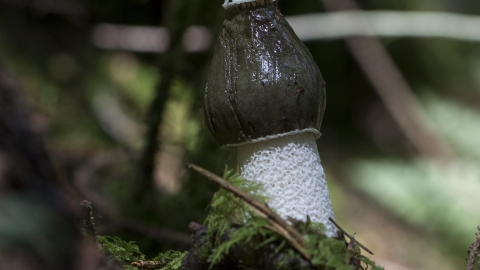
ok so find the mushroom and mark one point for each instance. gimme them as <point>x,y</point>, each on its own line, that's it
<point>265,96</point>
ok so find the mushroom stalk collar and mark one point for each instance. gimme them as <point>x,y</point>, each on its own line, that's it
<point>290,171</point>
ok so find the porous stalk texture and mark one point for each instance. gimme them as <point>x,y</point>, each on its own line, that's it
<point>290,170</point>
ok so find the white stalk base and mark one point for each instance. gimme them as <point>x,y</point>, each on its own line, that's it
<point>290,170</point>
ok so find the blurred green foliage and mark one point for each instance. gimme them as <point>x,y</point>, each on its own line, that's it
<point>90,104</point>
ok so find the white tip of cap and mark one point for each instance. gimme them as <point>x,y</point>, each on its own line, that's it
<point>236,2</point>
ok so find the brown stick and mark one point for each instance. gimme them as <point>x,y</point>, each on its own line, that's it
<point>349,236</point>
<point>277,223</point>
<point>474,252</point>
<point>150,264</point>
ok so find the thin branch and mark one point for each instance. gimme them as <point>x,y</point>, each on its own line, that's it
<point>277,223</point>
<point>350,236</point>
<point>343,24</point>
<point>319,26</point>
<point>150,264</point>
<point>474,252</point>
<point>393,89</point>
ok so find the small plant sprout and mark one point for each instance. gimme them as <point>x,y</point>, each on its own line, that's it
<point>265,96</point>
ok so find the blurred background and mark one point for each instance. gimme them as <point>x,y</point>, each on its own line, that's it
<point>108,100</point>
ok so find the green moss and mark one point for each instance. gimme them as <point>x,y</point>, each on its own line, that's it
<point>173,257</point>
<point>371,264</point>
<point>231,222</point>
<point>121,251</point>
<point>227,210</point>
<point>125,253</point>
<point>230,215</point>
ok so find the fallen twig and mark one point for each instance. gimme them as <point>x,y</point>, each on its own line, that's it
<point>350,236</point>
<point>277,223</point>
<point>150,264</point>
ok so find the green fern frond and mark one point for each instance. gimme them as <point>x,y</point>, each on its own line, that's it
<point>226,210</point>
<point>371,264</point>
<point>174,259</point>
<point>121,251</point>
<point>232,223</point>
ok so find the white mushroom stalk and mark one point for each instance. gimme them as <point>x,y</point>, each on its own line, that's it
<point>290,171</point>
<point>265,97</point>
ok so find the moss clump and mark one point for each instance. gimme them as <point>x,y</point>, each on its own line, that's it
<point>174,259</point>
<point>120,251</point>
<point>238,237</point>
<point>230,216</point>
<point>125,253</point>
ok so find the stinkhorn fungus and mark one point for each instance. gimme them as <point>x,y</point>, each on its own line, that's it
<point>266,97</point>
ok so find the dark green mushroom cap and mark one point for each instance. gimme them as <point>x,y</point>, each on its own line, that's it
<point>263,81</point>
